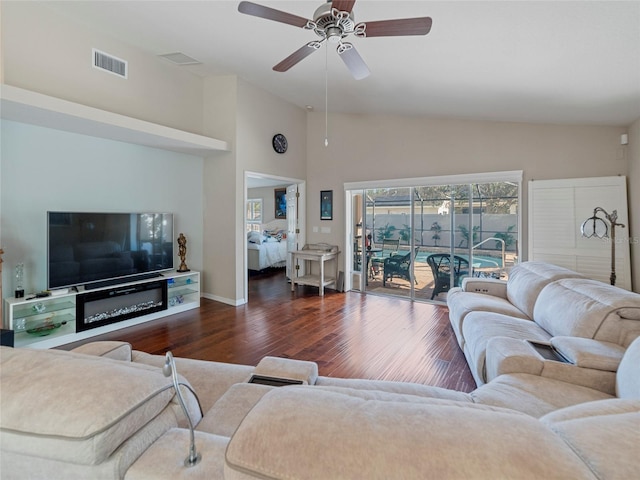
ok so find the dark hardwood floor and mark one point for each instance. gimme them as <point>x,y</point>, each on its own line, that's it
<point>349,334</point>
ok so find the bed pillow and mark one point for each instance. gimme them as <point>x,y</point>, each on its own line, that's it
<point>275,235</point>
<point>254,237</point>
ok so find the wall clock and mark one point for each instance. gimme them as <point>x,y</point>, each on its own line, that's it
<point>279,143</point>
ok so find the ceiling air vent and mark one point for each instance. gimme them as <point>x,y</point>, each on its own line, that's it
<point>180,58</point>
<point>109,63</point>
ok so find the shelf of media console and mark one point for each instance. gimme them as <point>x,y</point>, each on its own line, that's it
<point>183,293</point>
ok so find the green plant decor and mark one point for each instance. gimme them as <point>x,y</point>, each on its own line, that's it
<point>436,229</point>
<point>405,233</point>
<point>385,232</point>
<point>507,237</point>
<point>464,231</point>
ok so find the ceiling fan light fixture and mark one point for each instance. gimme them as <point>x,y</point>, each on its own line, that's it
<point>334,34</point>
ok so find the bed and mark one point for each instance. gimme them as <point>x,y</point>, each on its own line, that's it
<point>267,248</point>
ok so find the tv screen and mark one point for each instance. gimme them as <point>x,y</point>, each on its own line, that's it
<point>90,248</point>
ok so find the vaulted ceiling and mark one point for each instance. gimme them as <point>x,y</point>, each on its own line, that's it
<point>529,61</point>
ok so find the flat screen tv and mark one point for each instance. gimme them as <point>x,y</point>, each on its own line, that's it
<point>95,249</point>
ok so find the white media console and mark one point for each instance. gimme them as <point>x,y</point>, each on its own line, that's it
<point>45,322</point>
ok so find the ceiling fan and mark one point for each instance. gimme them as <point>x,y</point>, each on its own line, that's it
<point>334,21</point>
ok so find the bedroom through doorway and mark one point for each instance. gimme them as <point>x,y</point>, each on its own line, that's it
<point>274,225</point>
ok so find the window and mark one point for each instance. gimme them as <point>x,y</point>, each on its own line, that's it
<point>254,214</point>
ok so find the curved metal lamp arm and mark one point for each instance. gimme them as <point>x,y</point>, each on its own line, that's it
<point>612,218</point>
<point>169,369</point>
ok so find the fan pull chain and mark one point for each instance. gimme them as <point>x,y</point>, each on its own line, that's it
<point>326,95</point>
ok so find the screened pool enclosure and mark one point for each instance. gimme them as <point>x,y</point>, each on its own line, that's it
<point>420,240</point>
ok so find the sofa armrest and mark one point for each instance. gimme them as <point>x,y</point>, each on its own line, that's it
<point>486,286</point>
<point>109,349</point>
<point>288,369</point>
<point>589,353</point>
<point>509,355</point>
<point>506,355</point>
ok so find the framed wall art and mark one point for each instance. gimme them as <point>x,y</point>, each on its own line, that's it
<point>280,202</point>
<point>326,205</point>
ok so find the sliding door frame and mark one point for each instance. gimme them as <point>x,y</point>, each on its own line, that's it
<point>352,188</point>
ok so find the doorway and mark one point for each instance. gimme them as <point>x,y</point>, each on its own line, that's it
<point>274,223</point>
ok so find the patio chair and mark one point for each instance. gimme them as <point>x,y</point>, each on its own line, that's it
<point>398,266</point>
<point>389,248</point>
<point>440,264</point>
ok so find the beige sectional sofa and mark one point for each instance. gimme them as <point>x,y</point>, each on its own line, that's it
<point>547,304</point>
<point>104,411</point>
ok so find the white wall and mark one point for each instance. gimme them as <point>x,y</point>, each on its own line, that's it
<point>44,169</point>
<point>48,53</point>
<point>260,116</point>
<point>251,116</point>
<point>220,251</point>
<point>376,147</point>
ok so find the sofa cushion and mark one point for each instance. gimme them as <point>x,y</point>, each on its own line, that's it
<point>227,413</point>
<point>628,376</point>
<point>516,297</point>
<point>612,452</point>
<point>307,433</point>
<point>461,303</point>
<point>165,458</point>
<point>17,466</point>
<point>109,349</point>
<point>479,327</point>
<point>533,394</point>
<point>588,308</point>
<point>68,423</point>
<point>527,279</point>
<point>405,388</point>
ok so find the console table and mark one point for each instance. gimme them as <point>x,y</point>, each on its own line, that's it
<point>319,253</point>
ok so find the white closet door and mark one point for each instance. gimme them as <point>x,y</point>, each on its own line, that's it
<point>557,210</point>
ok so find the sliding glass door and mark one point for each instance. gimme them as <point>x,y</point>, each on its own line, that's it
<point>421,240</point>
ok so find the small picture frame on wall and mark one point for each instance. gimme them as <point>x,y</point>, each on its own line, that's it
<point>280,195</point>
<point>326,205</point>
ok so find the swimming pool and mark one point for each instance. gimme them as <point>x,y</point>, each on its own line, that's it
<point>479,261</point>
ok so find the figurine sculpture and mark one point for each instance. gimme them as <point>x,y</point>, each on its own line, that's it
<point>182,253</point>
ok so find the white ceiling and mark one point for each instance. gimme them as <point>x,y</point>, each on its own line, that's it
<point>530,61</point>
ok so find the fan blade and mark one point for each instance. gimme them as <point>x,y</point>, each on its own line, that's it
<point>297,56</point>
<point>353,61</point>
<point>398,27</point>
<point>343,5</point>
<point>271,14</point>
